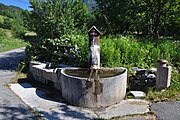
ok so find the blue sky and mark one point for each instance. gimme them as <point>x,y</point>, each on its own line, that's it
<point>24,4</point>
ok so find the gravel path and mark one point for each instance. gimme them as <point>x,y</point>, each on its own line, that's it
<point>11,106</point>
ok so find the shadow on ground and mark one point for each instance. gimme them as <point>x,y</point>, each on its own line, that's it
<point>15,113</point>
<point>42,91</point>
<point>10,61</point>
<point>62,110</point>
<point>67,112</point>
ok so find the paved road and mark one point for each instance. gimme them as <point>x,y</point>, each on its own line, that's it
<point>11,106</point>
<point>167,110</point>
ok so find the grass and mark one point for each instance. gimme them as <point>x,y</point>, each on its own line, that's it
<point>7,44</point>
<point>18,76</point>
<point>8,41</point>
<point>170,94</point>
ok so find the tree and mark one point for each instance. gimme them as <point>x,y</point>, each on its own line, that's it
<point>151,17</point>
<point>157,13</point>
<point>53,21</point>
<point>54,18</point>
<point>113,15</point>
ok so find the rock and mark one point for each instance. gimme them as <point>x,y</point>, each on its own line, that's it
<point>126,107</point>
<point>151,76</point>
<point>138,94</point>
<point>153,70</point>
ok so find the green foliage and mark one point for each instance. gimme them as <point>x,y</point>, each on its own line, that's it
<point>18,28</point>
<point>127,51</point>
<point>11,18</point>
<point>16,25</point>
<point>53,19</point>
<point>68,49</point>
<point>147,17</point>
<point>175,83</point>
<point>10,11</point>
<point>10,43</point>
<point>115,51</point>
<point>1,19</point>
<point>7,23</point>
<point>6,33</point>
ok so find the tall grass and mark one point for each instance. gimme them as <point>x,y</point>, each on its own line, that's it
<point>10,43</point>
<point>129,52</point>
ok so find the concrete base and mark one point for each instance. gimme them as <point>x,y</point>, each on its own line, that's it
<point>52,110</point>
<point>126,107</point>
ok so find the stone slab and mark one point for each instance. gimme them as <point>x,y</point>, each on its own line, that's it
<point>138,94</point>
<point>126,107</point>
<point>51,109</point>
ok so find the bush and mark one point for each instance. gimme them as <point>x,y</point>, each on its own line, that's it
<point>7,23</point>
<point>115,51</point>
<point>127,51</point>
<point>16,25</point>
<point>18,29</point>
<point>68,49</point>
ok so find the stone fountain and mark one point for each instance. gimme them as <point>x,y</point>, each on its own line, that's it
<point>93,87</point>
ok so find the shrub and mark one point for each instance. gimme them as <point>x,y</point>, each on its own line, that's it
<point>16,25</point>
<point>68,49</point>
<point>127,51</point>
<point>115,51</point>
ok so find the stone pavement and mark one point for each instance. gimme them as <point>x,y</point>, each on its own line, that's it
<point>11,106</point>
<point>59,110</point>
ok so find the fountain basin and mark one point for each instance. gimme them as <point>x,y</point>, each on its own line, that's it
<point>78,90</point>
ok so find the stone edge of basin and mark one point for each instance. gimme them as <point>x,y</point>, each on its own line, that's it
<point>80,92</point>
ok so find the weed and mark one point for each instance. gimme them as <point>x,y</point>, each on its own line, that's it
<point>19,77</point>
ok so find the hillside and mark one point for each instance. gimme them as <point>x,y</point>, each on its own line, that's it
<point>10,8</point>
<point>9,11</point>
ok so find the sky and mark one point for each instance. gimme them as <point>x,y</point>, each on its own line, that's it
<point>24,4</point>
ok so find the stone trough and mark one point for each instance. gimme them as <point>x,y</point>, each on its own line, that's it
<point>91,87</point>
<point>78,90</point>
<point>81,92</point>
